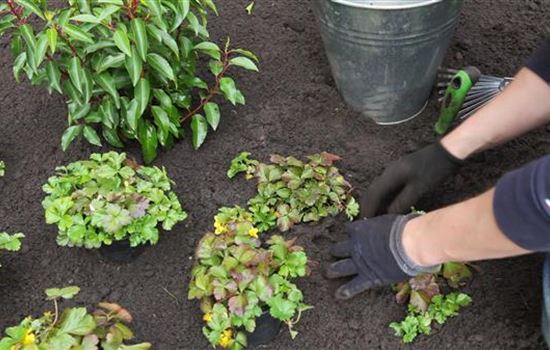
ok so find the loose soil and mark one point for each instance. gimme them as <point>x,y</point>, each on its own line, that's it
<point>292,108</point>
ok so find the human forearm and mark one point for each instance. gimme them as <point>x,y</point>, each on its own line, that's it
<point>522,106</point>
<point>466,231</point>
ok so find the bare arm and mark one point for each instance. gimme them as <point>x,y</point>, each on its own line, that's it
<point>522,106</point>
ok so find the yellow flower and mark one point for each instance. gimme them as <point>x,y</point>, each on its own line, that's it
<point>253,232</point>
<point>29,338</point>
<point>207,317</point>
<point>220,228</point>
<point>226,339</point>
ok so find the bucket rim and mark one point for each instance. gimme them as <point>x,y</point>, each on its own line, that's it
<point>380,6</point>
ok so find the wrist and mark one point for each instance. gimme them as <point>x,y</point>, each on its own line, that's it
<point>414,242</point>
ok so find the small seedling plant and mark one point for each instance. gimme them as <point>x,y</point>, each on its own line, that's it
<point>426,303</point>
<point>110,198</point>
<point>2,168</point>
<point>291,191</point>
<point>236,279</point>
<point>10,243</point>
<point>128,68</point>
<point>75,328</point>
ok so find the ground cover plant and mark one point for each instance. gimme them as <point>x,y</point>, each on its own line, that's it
<point>291,191</point>
<point>426,302</point>
<point>110,198</point>
<point>11,243</point>
<point>74,328</point>
<point>237,278</point>
<point>129,68</point>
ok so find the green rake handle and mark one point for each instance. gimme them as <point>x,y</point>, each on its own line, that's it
<point>454,97</point>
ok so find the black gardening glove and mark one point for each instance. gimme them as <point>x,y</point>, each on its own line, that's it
<point>374,255</point>
<point>407,179</point>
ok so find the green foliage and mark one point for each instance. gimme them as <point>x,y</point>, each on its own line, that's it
<point>74,328</point>
<point>291,191</point>
<point>2,168</point>
<point>128,68</point>
<point>418,322</point>
<point>11,243</point>
<point>237,279</point>
<point>110,198</point>
<point>425,301</point>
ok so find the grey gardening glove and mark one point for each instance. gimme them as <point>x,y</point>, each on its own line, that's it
<point>407,179</point>
<point>374,255</point>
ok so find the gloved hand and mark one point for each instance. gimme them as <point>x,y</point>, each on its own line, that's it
<point>374,254</point>
<point>407,179</point>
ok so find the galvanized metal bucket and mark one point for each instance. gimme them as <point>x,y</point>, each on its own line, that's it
<point>384,54</point>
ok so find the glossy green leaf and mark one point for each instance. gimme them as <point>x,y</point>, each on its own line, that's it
<point>28,34</point>
<point>111,61</point>
<point>132,115</point>
<point>161,119</point>
<point>244,62</point>
<point>52,39</point>
<point>69,135</point>
<point>63,293</point>
<point>18,64</point>
<point>227,86</point>
<point>142,93</point>
<point>87,85</point>
<point>91,135</point>
<point>212,112</point>
<point>209,48</point>
<point>147,136</point>
<point>121,41</point>
<point>78,34</point>
<point>134,66</point>
<point>199,127</point>
<point>86,18</point>
<point>31,6</point>
<point>75,73</point>
<point>69,89</point>
<point>77,112</point>
<point>140,37</point>
<point>154,6</point>
<point>110,114</point>
<point>112,137</point>
<point>41,48</point>
<point>171,43</point>
<point>246,53</point>
<point>54,76</point>
<point>161,65</point>
<point>106,81</point>
<point>216,67</point>
<point>77,321</point>
<point>112,2</point>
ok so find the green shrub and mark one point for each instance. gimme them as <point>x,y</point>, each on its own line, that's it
<point>110,198</point>
<point>236,279</point>
<point>74,328</point>
<point>291,191</point>
<point>128,67</point>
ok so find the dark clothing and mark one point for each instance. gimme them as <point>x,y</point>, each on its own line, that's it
<point>522,197</point>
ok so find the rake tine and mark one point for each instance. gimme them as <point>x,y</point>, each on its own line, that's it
<point>486,84</point>
<point>485,78</point>
<point>472,107</point>
<point>480,99</point>
<point>476,94</point>
<point>466,115</point>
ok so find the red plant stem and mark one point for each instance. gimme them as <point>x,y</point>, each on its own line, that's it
<point>16,11</point>
<point>213,91</point>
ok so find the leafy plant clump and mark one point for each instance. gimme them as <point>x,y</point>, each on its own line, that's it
<point>110,198</point>
<point>74,328</point>
<point>419,322</point>
<point>11,243</point>
<point>129,68</point>
<point>427,303</point>
<point>291,191</point>
<point>237,279</point>
<point>2,168</point>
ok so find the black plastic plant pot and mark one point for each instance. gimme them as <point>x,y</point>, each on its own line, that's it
<point>120,252</point>
<point>267,329</point>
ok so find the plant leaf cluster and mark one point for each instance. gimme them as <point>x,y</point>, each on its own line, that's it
<point>128,68</point>
<point>75,328</point>
<point>110,198</point>
<point>291,191</point>
<point>237,279</point>
<point>441,308</point>
<point>2,168</point>
<point>426,302</point>
<point>11,243</point>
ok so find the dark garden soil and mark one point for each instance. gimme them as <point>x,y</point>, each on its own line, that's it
<point>292,108</point>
